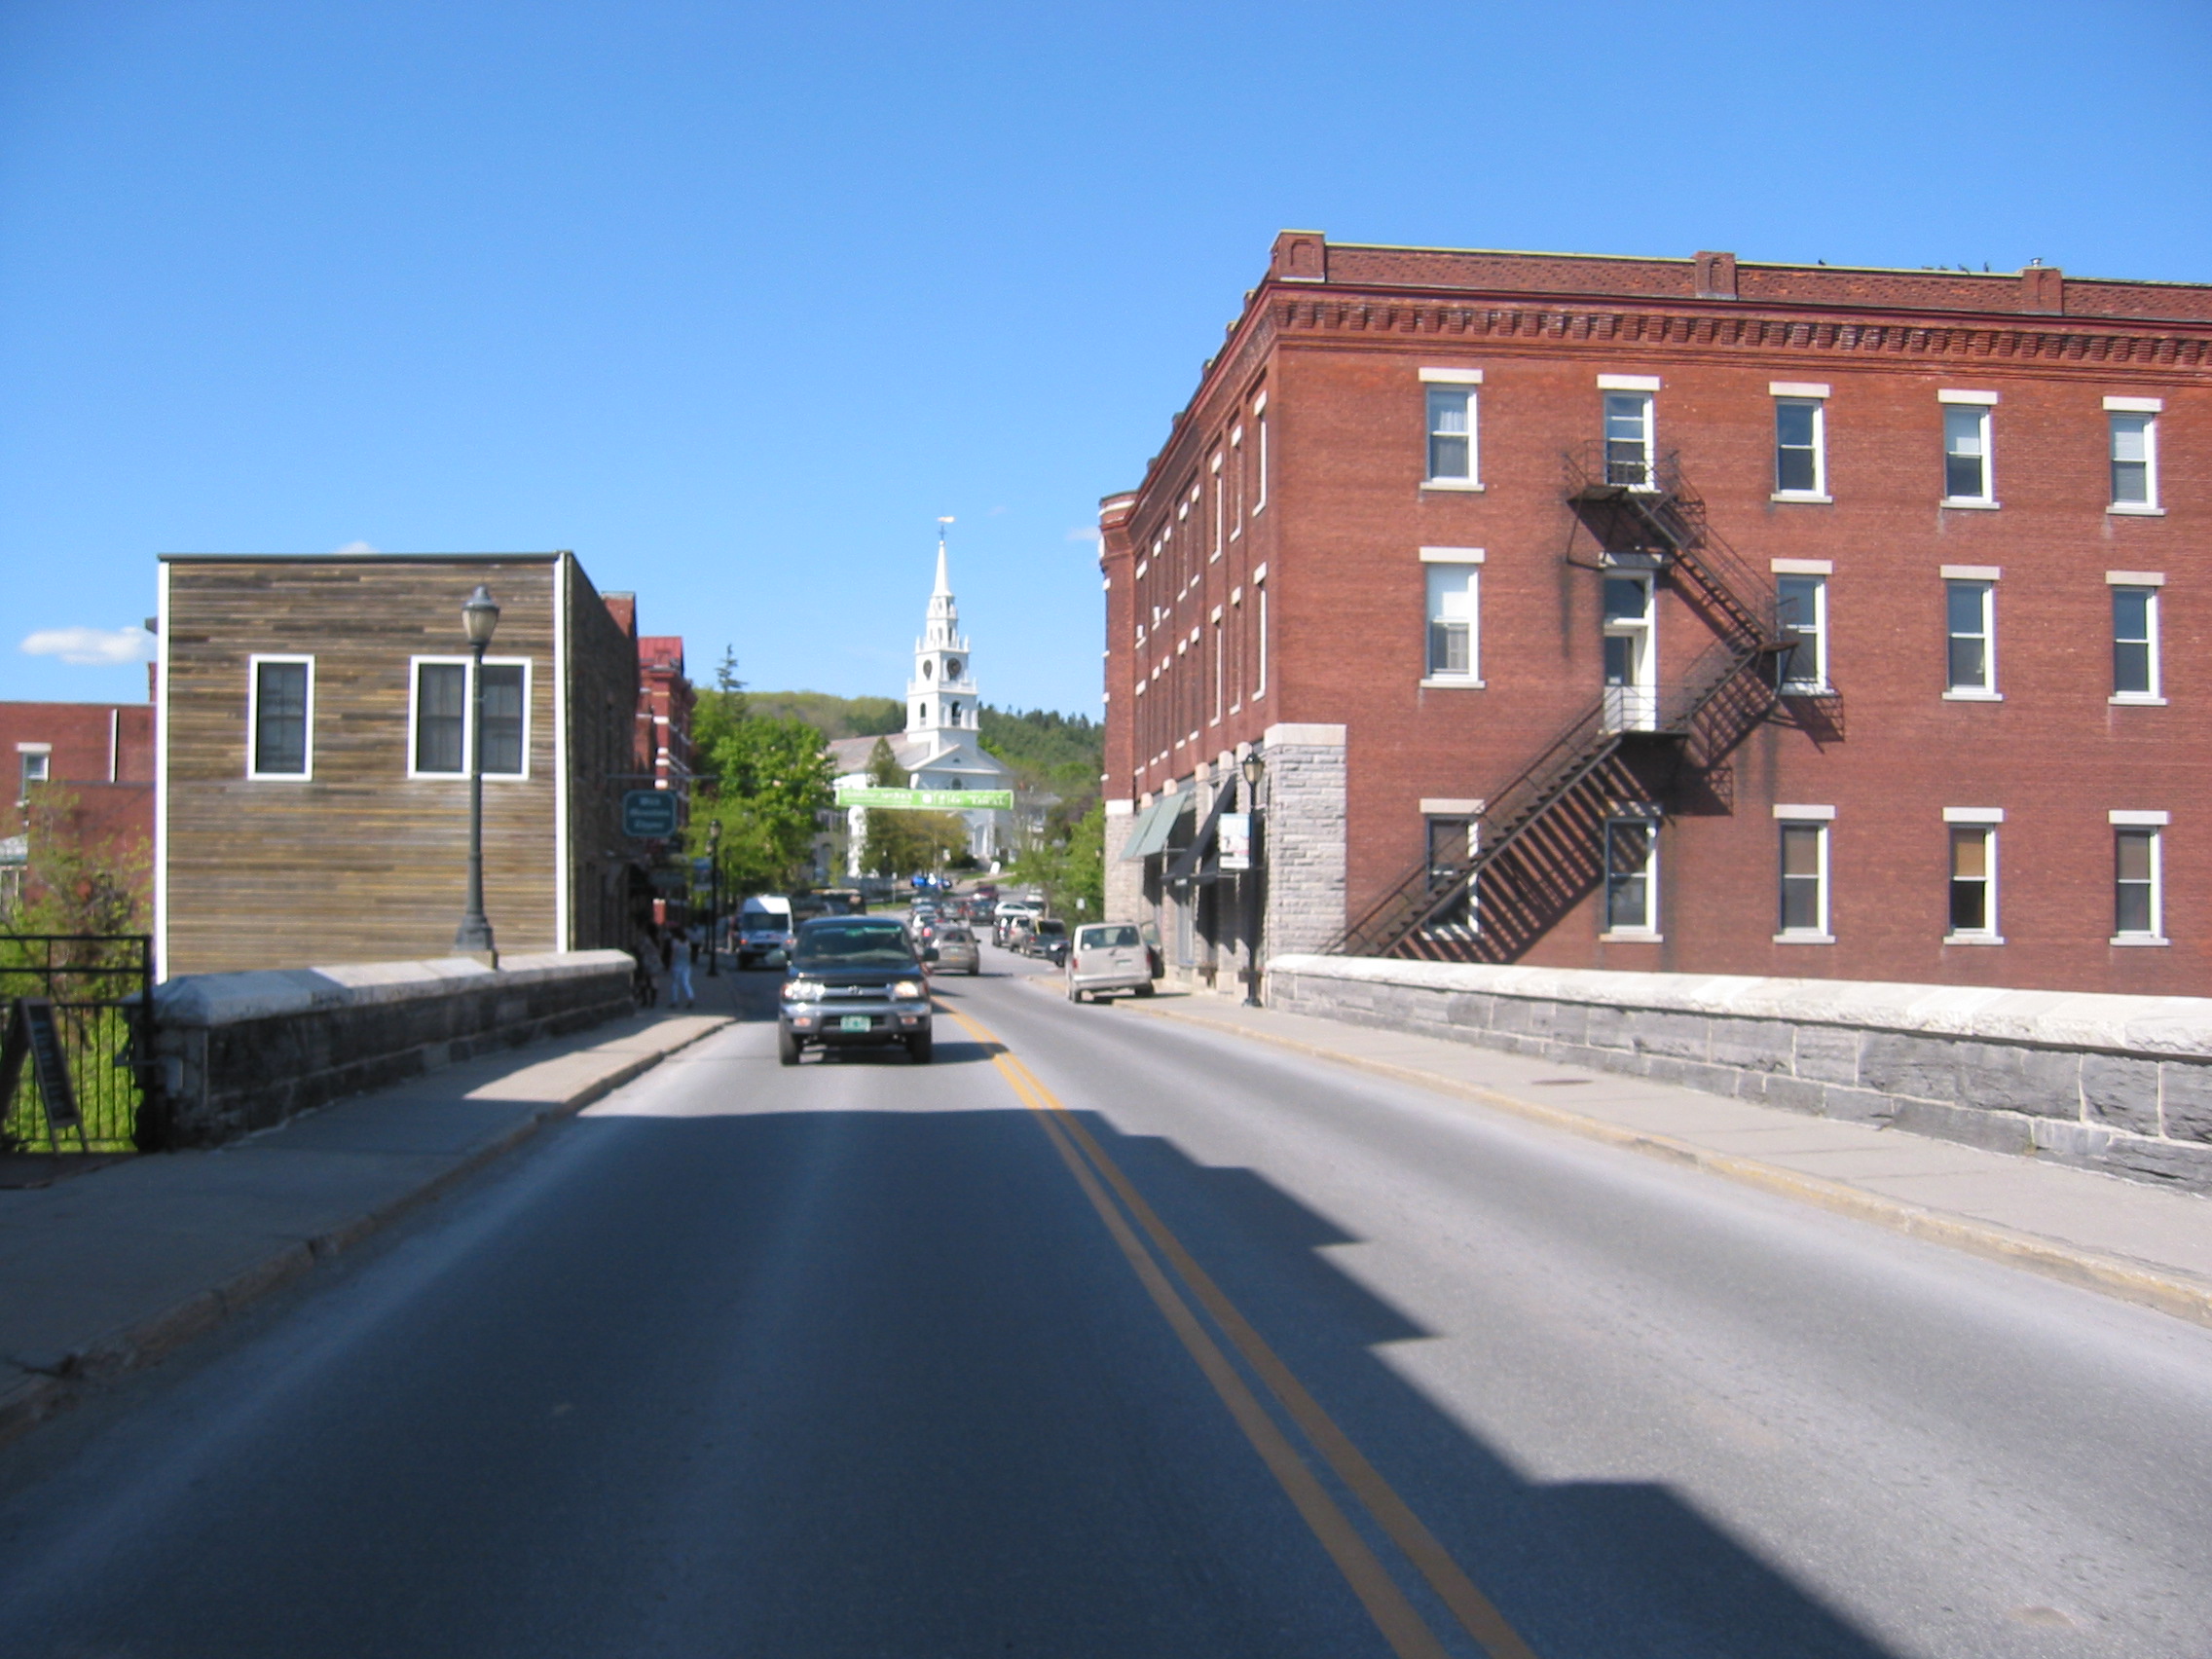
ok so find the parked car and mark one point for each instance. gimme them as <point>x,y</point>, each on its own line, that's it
<point>764,928</point>
<point>854,981</point>
<point>957,951</point>
<point>1010,911</point>
<point>1106,957</point>
<point>1047,937</point>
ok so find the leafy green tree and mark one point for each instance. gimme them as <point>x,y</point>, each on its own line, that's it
<point>906,843</point>
<point>771,778</point>
<point>1070,867</point>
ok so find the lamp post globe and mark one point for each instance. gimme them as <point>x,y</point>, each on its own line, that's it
<point>479,617</point>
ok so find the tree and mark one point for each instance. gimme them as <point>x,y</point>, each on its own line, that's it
<point>79,879</point>
<point>906,843</point>
<point>771,778</point>
<point>1070,867</point>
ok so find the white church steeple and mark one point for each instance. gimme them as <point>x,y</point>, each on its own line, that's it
<point>941,697</point>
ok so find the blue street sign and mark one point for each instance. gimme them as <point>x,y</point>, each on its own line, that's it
<point>648,815</point>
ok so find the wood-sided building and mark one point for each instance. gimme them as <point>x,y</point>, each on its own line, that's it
<point>312,796</point>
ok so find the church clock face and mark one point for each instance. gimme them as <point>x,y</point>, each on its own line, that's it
<point>953,668</point>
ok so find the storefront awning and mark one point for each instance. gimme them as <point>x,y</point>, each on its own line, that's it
<point>1155,825</point>
<point>1187,866</point>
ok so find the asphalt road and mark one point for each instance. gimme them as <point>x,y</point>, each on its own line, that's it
<point>1104,1336</point>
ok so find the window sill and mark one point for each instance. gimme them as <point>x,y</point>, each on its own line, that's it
<point>1451,683</point>
<point>1811,495</point>
<point>1973,939</point>
<point>2135,509</point>
<point>1801,689</point>
<point>285,777</point>
<point>1974,696</point>
<point>1464,486</point>
<point>1804,938</point>
<point>1633,935</point>
<point>2140,939</point>
<point>2135,700</point>
<point>1962,504</point>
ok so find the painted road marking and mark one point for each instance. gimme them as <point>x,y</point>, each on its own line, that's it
<point>1392,1614</point>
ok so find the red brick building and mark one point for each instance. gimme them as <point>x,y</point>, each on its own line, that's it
<point>1679,615</point>
<point>97,760</point>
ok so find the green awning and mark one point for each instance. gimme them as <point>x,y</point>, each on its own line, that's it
<point>1155,824</point>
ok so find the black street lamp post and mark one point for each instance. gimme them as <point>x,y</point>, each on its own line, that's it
<point>480,615</point>
<point>714,897</point>
<point>1254,769</point>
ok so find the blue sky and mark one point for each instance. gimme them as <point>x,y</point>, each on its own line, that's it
<point>736,300</point>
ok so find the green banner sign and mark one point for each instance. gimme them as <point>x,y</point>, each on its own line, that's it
<point>924,800</point>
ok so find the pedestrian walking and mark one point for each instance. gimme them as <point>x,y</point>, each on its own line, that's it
<point>680,993</point>
<point>646,983</point>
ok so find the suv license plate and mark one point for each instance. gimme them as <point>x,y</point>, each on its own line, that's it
<point>853,1022</point>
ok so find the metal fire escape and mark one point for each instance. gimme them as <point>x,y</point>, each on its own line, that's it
<point>1648,512</point>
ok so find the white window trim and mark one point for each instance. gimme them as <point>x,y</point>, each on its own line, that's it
<point>2135,406</point>
<point>1629,383</point>
<point>1822,686</point>
<point>2156,823</point>
<point>1802,566</point>
<point>1985,401</point>
<point>2151,508</point>
<point>468,714</point>
<point>2156,697</point>
<point>1989,575</point>
<point>1472,484</point>
<point>306,775</point>
<point>1985,818</point>
<point>1473,680</point>
<point>1649,934</point>
<point>1797,388</point>
<point>1815,818</point>
<point>1819,493</point>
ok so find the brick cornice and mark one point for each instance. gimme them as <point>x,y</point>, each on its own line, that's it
<point>1887,337</point>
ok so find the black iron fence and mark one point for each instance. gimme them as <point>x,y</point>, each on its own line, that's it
<point>76,1012</point>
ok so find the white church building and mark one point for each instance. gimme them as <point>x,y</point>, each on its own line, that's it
<point>940,748</point>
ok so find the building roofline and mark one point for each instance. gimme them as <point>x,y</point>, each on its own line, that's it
<point>361,558</point>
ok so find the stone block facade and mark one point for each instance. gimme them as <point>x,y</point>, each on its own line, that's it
<point>1305,838</point>
<point>2117,1084</point>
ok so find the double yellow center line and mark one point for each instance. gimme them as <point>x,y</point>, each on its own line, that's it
<point>1102,1182</point>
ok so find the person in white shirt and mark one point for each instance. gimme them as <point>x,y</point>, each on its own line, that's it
<point>680,993</point>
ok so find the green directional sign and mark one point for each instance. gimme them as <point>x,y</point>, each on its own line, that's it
<point>924,800</point>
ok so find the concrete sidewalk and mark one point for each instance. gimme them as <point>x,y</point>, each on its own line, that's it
<point>114,1267</point>
<point>2138,1243</point>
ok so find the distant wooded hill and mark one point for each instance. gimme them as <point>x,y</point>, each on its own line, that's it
<point>1059,751</point>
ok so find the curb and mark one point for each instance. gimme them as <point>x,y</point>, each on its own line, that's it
<point>2182,1297</point>
<point>39,1394</point>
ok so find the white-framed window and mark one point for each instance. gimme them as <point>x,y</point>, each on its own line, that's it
<point>1800,443</point>
<point>1214,476</point>
<point>1801,879</point>
<point>1971,833</point>
<point>1802,604</point>
<point>1451,850</point>
<point>1454,583</point>
<point>1220,669</point>
<point>2134,636</point>
<point>1629,438</point>
<point>280,718</point>
<point>34,764</point>
<point>2139,900</point>
<point>1801,874</point>
<point>1632,876</point>
<point>1260,620</point>
<point>1970,478</point>
<point>1969,627</point>
<point>441,702</point>
<point>1259,456</point>
<point>2132,444</point>
<point>1453,458</point>
<point>1236,482</point>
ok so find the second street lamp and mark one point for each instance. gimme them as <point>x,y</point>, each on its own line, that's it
<point>1254,769</point>
<point>480,615</point>
<point>714,897</point>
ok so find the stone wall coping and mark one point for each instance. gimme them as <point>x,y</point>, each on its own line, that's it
<point>2058,1019</point>
<point>262,993</point>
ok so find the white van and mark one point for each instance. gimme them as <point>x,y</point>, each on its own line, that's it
<point>763,927</point>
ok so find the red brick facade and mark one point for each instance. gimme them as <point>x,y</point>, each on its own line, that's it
<point>99,757</point>
<point>1308,442</point>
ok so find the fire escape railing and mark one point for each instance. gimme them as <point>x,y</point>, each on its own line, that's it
<point>1642,508</point>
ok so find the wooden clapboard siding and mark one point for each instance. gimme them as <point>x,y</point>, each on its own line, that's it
<point>361,862</point>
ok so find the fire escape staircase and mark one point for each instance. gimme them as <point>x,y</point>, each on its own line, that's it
<point>1646,511</point>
